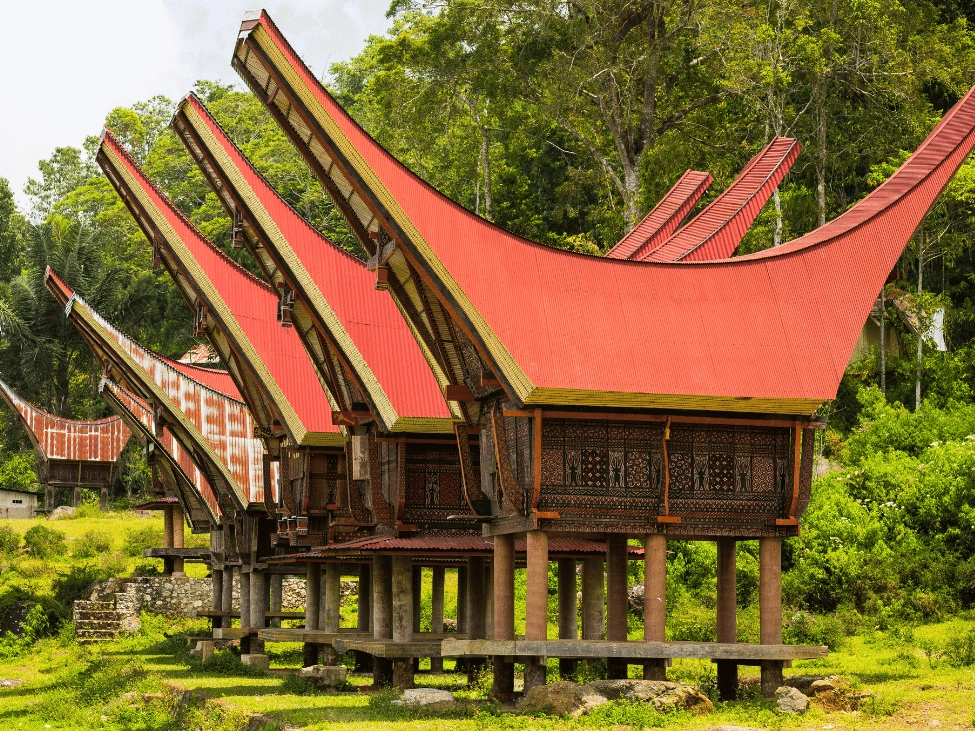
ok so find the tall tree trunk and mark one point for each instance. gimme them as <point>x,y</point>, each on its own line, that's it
<point>883,344</point>
<point>486,171</point>
<point>821,155</point>
<point>920,333</point>
<point>631,194</point>
<point>61,387</point>
<point>777,236</point>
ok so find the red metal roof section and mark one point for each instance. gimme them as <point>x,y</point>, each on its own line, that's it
<point>209,377</point>
<point>658,225</point>
<point>778,325</point>
<point>254,305</point>
<point>56,437</point>
<point>717,230</point>
<point>139,410</point>
<point>371,318</point>
<point>225,423</point>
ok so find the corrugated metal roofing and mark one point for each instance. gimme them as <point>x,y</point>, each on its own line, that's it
<point>658,225</point>
<point>244,308</point>
<point>137,409</point>
<point>217,426</point>
<point>717,230</point>
<point>765,332</point>
<point>343,295</point>
<point>55,437</point>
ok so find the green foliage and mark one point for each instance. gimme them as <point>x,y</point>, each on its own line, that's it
<point>141,538</point>
<point>17,471</point>
<point>43,542</point>
<point>76,583</point>
<point>9,540</point>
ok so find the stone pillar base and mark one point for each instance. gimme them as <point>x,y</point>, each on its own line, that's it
<point>403,674</point>
<point>309,654</point>
<point>728,680</point>
<point>771,678</point>
<point>503,689</point>
<point>655,670</point>
<point>261,662</point>
<point>535,672</point>
<point>382,672</point>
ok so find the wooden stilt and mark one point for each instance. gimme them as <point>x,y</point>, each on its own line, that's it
<point>475,612</point>
<point>536,604</point>
<point>103,498</point>
<point>770,608</point>
<point>402,581</point>
<point>364,618</point>
<point>245,609</point>
<point>436,613</point>
<point>727,624</point>
<point>216,590</point>
<point>277,597</point>
<point>168,538</point>
<point>462,663</point>
<point>655,601</point>
<point>417,607</point>
<point>76,497</point>
<point>382,615</point>
<point>504,614</point>
<point>592,599</point>
<point>568,612</point>
<point>489,600</point>
<point>228,594</point>
<point>617,600</point>
<point>258,608</point>
<point>313,592</point>
<point>179,532</point>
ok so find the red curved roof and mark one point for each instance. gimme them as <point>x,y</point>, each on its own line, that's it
<point>717,230</point>
<point>369,317</point>
<point>220,425</point>
<point>658,225</point>
<point>766,332</point>
<point>249,313</point>
<point>209,377</point>
<point>55,437</point>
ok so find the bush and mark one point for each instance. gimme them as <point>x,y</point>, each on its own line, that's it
<point>9,540</point>
<point>805,628</point>
<point>139,539</point>
<point>91,544</point>
<point>76,583</point>
<point>43,542</point>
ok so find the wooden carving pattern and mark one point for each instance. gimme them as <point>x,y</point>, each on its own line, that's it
<point>434,483</point>
<point>383,513</point>
<point>719,475</point>
<point>269,505</point>
<point>357,488</point>
<point>511,491</point>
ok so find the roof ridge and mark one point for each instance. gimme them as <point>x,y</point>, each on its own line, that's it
<point>106,132</point>
<point>260,175</point>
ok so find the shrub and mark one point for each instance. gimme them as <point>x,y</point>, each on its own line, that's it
<point>139,539</point>
<point>9,540</point>
<point>76,583</point>
<point>91,544</point>
<point>805,628</point>
<point>960,650</point>
<point>43,542</point>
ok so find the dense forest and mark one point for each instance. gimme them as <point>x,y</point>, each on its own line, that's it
<point>565,121</point>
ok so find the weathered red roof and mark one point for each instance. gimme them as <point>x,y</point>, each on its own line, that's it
<point>768,332</point>
<point>216,429</point>
<point>276,373</point>
<point>717,230</point>
<point>658,225</point>
<point>55,437</point>
<point>131,406</point>
<point>340,293</point>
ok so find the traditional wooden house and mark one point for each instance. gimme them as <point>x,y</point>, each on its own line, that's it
<point>217,432</point>
<point>620,399</point>
<point>72,455</point>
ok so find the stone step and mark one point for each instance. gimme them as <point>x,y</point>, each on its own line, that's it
<point>93,606</point>
<point>109,625</point>
<point>82,615</point>
<point>107,634</point>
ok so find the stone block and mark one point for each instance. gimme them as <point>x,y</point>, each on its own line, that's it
<point>791,700</point>
<point>261,662</point>
<point>325,676</point>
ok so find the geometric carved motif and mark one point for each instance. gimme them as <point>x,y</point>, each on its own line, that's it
<point>434,483</point>
<point>603,470</point>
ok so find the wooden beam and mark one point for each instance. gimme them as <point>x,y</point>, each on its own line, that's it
<point>462,393</point>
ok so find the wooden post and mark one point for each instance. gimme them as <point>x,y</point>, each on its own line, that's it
<point>476,629</point>
<point>617,600</point>
<point>436,614</point>
<point>727,624</point>
<point>402,618</point>
<point>179,527</point>
<point>228,595</point>
<point>770,608</point>
<point>103,498</point>
<point>504,614</point>
<point>462,663</point>
<point>417,607</point>
<point>592,599</point>
<point>76,497</point>
<point>333,598</point>
<point>655,600</point>
<point>48,497</point>
<point>258,609</point>
<point>313,593</point>
<point>216,593</point>
<point>536,604</point>
<point>489,600</point>
<point>168,536</point>
<point>382,615</point>
<point>568,610</point>
<point>245,609</point>
<point>364,615</point>
<point>277,597</point>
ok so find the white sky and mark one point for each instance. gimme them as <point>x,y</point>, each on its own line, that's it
<point>67,63</point>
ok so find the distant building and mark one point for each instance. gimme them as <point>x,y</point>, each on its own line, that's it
<point>17,503</point>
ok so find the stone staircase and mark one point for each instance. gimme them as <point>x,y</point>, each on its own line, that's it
<point>96,621</point>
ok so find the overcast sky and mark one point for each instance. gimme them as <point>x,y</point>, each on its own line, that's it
<point>68,63</point>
